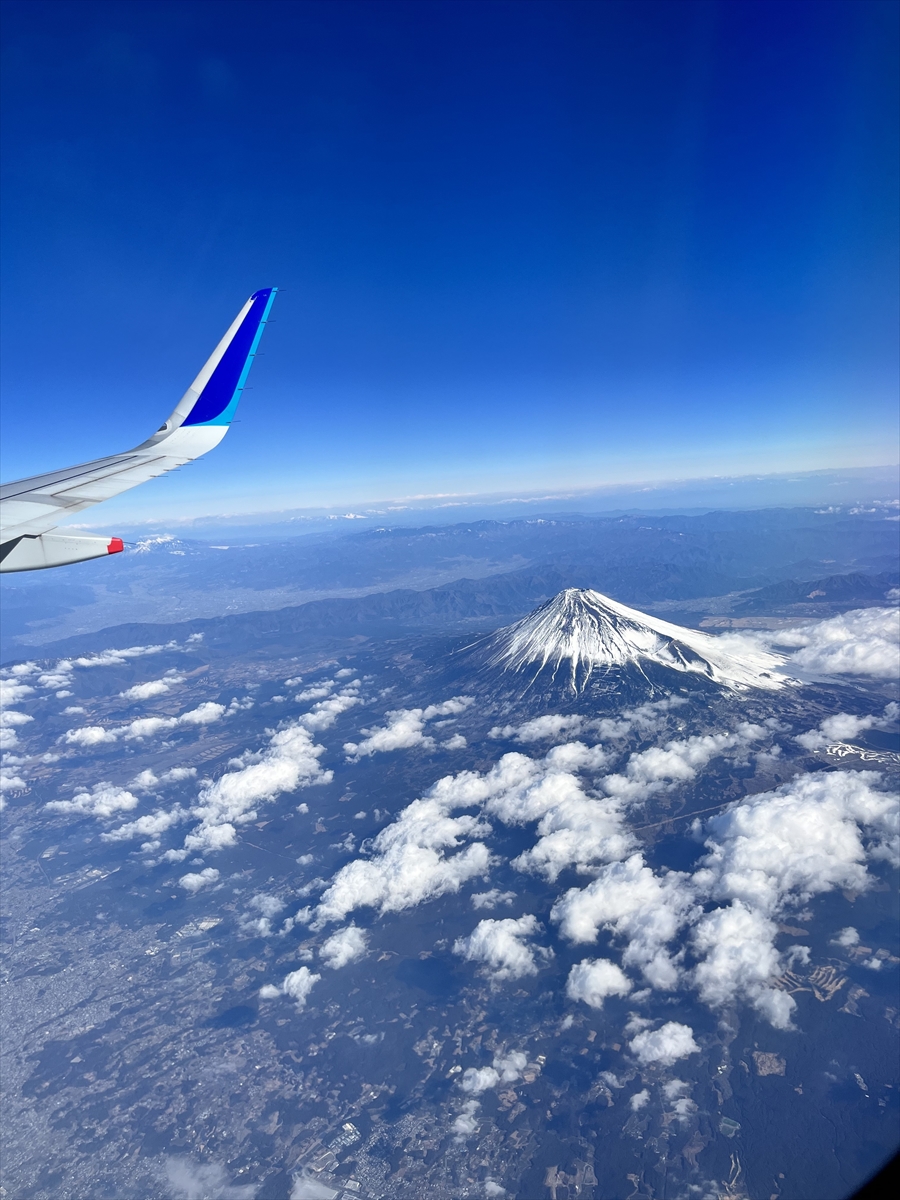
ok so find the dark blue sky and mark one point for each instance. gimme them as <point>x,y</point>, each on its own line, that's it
<point>522,244</point>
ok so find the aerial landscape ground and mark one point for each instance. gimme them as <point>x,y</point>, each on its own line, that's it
<point>466,875</point>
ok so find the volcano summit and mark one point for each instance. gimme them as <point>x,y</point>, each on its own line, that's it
<point>580,632</point>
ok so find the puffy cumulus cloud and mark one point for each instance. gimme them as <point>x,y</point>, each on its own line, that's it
<point>846,937</point>
<point>103,800</point>
<point>665,1045</point>
<point>592,980</point>
<point>501,948</point>
<point>268,907</point>
<point>457,742</point>
<point>60,675</point>
<point>11,780</point>
<point>492,898</point>
<point>324,714</point>
<point>12,690</point>
<point>195,880</point>
<point>405,728</point>
<point>844,725</point>
<point>799,840</point>
<point>95,735</point>
<point>737,949</point>
<point>639,1100</point>
<point>153,687</point>
<point>290,761</point>
<point>645,719</point>
<point>296,986</point>
<point>408,863</point>
<point>147,780</point>
<point>343,947</point>
<point>775,851</point>
<point>661,768</point>
<point>149,826</point>
<point>573,828</point>
<point>466,1123</point>
<point>510,1065</point>
<point>90,735</point>
<point>506,1068</point>
<point>206,1181</point>
<point>646,910</point>
<point>865,641</point>
<point>551,727</point>
<point>476,1080</point>
<point>308,1187</point>
<point>10,721</point>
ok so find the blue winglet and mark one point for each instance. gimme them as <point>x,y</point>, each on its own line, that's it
<point>218,401</point>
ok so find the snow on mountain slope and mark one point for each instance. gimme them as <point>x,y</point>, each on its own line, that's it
<point>579,632</point>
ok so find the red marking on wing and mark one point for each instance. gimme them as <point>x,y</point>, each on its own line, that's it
<point>116,546</point>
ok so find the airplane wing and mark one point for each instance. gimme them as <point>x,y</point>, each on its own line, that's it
<point>30,508</point>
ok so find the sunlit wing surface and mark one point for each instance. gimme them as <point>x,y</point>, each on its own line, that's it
<point>31,508</point>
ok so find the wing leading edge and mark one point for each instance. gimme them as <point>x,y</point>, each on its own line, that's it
<point>30,508</point>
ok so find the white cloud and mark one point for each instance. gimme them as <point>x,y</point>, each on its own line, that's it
<point>12,691</point>
<point>207,1181</point>
<point>95,735</point>
<point>799,840</point>
<point>491,898</point>
<point>103,800</point>
<point>10,720</point>
<point>343,947</point>
<point>466,1123</point>
<point>675,1088</point>
<point>195,880</point>
<point>865,641</point>
<point>90,735</point>
<point>154,687</point>
<point>147,780</point>
<point>501,948</point>
<point>324,714</point>
<point>639,1100</point>
<point>737,948</point>
<point>632,902</point>
<point>476,1080</point>
<point>592,980</point>
<point>844,725</point>
<point>307,1187</point>
<point>665,1045</point>
<point>552,726</point>
<point>665,767</point>
<point>297,985</point>
<point>149,826</point>
<point>406,728</point>
<point>846,937</point>
<point>290,761</point>
<point>510,1065</point>
<point>457,742</point>
<point>408,864</point>
<point>10,781</point>
<point>775,851</point>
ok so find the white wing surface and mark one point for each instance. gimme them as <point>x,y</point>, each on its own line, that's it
<point>31,508</point>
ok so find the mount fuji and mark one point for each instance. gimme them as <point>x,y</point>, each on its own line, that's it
<point>580,633</point>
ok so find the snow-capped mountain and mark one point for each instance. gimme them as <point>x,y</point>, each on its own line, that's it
<point>580,632</point>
